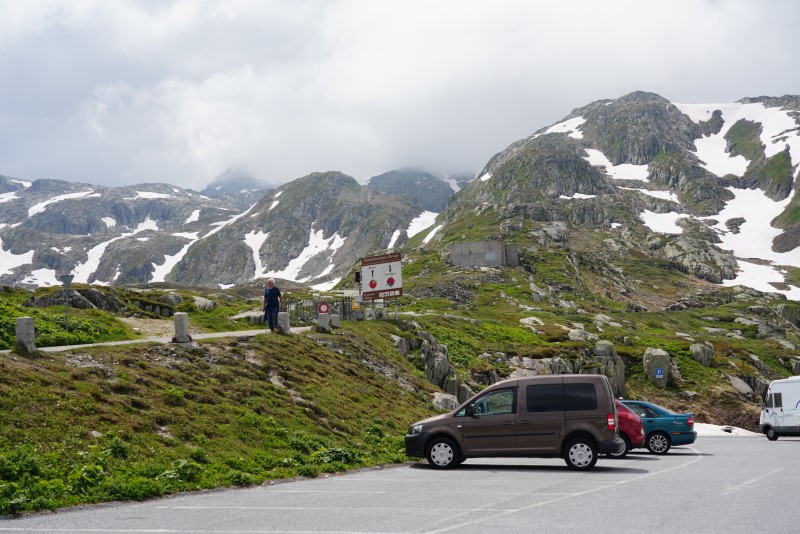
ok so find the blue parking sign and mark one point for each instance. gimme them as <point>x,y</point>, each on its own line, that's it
<point>659,372</point>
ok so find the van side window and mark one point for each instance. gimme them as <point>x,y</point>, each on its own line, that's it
<point>578,397</point>
<point>497,402</point>
<point>545,398</point>
<point>778,399</point>
<point>768,402</point>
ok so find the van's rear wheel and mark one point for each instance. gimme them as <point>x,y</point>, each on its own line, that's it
<point>771,434</point>
<point>624,452</point>
<point>442,453</point>
<point>580,454</point>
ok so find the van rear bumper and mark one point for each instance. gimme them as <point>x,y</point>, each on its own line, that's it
<point>611,446</point>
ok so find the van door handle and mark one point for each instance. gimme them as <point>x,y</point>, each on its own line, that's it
<point>508,423</point>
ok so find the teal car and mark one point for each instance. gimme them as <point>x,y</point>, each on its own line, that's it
<point>663,428</point>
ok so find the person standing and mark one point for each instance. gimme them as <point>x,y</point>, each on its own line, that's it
<point>273,303</point>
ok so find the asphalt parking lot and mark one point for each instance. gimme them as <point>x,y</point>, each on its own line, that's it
<point>734,484</point>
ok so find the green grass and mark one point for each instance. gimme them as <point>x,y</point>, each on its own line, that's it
<point>131,423</point>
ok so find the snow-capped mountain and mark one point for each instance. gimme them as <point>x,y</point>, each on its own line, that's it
<point>707,189</point>
<point>713,186</point>
<point>311,230</point>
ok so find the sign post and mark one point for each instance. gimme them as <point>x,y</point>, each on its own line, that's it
<point>382,276</point>
<point>66,279</point>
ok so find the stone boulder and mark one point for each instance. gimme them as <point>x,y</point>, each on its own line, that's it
<point>204,304</point>
<point>171,299</point>
<point>611,365</point>
<point>789,312</point>
<point>796,366</point>
<point>742,387</point>
<point>702,353</point>
<point>581,335</point>
<point>761,366</point>
<point>445,401</point>
<point>655,360</point>
<point>407,345</point>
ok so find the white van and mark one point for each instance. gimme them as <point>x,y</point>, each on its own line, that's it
<point>781,413</point>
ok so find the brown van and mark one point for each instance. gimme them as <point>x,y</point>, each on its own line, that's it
<point>567,416</point>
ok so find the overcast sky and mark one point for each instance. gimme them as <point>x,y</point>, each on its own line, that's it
<point>122,92</point>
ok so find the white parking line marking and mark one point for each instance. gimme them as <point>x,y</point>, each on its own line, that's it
<point>563,498</point>
<point>750,483</point>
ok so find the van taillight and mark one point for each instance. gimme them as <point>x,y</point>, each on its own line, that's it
<point>612,424</point>
<point>690,421</point>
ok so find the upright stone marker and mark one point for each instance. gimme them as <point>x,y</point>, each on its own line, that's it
<point>323,323</point>
<point>181,320</point>
<point>283,324</point>
<point>25,335</point>
<point>335,318</point>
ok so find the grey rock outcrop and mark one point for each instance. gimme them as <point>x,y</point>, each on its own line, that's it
<point>611,365</point>
<point>742,387</point>
<point>657,367</point>
<point>702,353</point>
<point>445,401</point>
<point>204,304</point>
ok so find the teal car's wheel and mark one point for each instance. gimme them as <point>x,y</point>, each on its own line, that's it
<point>442,453</point>
<point>658,443</point>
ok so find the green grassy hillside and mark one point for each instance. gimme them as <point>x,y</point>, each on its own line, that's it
<point>133,422</point>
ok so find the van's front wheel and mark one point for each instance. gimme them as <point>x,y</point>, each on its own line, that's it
<point>580,454</point>
<point>442,453</point>
<point>771,434</point>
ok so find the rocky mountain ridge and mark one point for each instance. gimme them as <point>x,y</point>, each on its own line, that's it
<point>711,190</point>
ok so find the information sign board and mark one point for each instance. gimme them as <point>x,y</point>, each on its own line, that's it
<point>382,276</point>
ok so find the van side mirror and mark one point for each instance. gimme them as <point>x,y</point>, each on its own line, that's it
<point>470,410</point>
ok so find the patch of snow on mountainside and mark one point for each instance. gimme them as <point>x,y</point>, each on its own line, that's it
<point>9,261</point>
<point>779,130</point>
<point>109,222</point>
<point>41,206</point>
<point>421,222</point>
<point>149,195</point>
<point>326,286</point>
<point>577,195</point>
<point>485,177</point>
<point>42,278</point>
<point>393,240</point>
<point>316,244</point>
<point>624,171</point>
<point>8,197</point>
<point>275,200</point>
<point>755,236</point>
<point>222,224</point>
<point>255,240</point>
<point>754,239</point>
<point>195,216</point>
<point>83,271</point>
<point>452,183</point>
<point>663,222</point>
<point>23,183</point>
<point>161,271</point>
<point>431,234</point>
<point>569,126</point>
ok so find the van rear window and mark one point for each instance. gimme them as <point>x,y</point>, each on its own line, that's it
<point>578,397</point>
<point>545,398</point>
<point>561,397</point>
